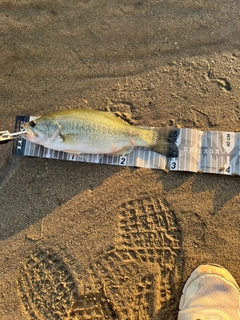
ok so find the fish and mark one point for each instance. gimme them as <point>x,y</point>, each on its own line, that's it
<point>80,131</point>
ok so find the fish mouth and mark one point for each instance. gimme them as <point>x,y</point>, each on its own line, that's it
<point>28,134</point>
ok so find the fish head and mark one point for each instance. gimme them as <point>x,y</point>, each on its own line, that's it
<point>41,131</point>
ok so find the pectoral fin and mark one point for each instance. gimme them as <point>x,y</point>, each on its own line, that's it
<point>123,151</point>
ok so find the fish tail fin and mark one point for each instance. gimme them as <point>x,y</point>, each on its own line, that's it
<point>165,142</point>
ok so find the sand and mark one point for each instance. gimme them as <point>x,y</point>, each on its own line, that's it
<point>88,241</point>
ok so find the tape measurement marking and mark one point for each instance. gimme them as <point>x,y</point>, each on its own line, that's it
<point>123,161</point>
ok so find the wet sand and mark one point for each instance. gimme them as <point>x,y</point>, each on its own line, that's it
<point>88,241</point>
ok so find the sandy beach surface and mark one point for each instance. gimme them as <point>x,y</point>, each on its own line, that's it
<point>89,241</point>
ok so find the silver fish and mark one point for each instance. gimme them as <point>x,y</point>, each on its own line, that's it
<point>85,131</point>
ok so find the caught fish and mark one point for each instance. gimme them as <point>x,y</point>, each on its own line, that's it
<point>97,132</point>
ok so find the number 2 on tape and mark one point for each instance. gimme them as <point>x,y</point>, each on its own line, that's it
<point>122,161</point>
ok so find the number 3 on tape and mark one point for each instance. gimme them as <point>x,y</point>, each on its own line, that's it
<point>173,164</point>
<point>122,161</point>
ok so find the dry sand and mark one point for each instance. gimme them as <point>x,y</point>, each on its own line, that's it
<point>85,241</point>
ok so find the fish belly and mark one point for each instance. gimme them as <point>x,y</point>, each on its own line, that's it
<point>91,147</point>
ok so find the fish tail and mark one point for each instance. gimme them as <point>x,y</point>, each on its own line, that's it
<point>165,142</point>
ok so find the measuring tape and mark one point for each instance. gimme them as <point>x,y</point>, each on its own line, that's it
<point>199,151</point>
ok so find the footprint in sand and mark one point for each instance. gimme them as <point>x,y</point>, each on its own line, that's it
<point>49,291</point>
<point>46,286</point>
<point>136,275</point>
<point>129,281</point>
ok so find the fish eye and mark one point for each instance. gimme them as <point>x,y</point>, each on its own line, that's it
<point>32,124</point>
